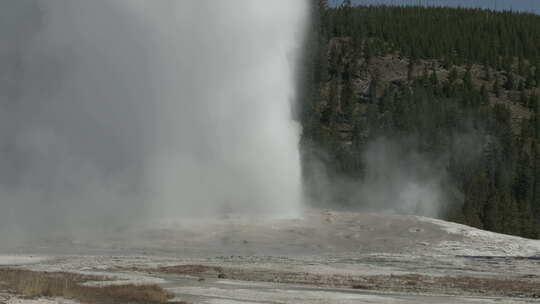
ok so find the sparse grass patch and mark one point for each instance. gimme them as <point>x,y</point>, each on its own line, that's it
<point>70,286</point>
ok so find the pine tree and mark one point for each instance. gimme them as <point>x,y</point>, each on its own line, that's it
<point>467,78</point>
<point>510,82</point>
<point>487,72</point>
<point>521,85</point>
<point>485,95</point>
<point>530,81</point>
<point>434,80</point>
<point>410,70</point>
<point>497,87</point>
<point>537,74</point>
<point>373,90</point>
<point>523,99</point>
<point>453,76</point>
<point>534,103</point>
<point>521,66</point>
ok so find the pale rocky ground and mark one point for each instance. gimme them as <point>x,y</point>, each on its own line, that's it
<point>14,300</point>
<point>309,260</point>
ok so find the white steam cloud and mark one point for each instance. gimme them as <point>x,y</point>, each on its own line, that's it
<point>115,110</point>
<point>395,179</point>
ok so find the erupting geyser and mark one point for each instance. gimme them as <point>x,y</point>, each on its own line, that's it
<point>225,132</point>
<point>115,110</point>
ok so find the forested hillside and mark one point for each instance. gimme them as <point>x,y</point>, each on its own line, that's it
<point>434,108</point>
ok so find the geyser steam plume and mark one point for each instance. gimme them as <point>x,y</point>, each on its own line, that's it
<point>112,110</point>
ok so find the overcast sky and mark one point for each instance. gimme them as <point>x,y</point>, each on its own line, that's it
<point>517,5</point>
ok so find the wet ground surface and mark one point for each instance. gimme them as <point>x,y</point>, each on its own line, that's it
<point>317,259</point>
<point>236,292</point>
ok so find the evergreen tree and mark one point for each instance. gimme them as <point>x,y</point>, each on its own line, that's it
<point>453,76</point>
<point>500,183</point>
<point>467,79</point>
<point>537,75</point>
<point>410,70</point>
<point>523,99</point>
<point>487,72</point>
<point>485,95</point>
<point>510,82</point>
<point>497,87</point>
<point>534,103</point>
<point>530,81</point>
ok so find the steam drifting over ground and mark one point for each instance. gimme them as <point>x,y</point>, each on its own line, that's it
<point>396,178</point>
<point>117,110</point>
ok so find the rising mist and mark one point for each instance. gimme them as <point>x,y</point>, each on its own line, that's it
<point>120,111</point>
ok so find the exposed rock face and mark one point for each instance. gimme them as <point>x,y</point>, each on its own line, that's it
<point>393,71</point>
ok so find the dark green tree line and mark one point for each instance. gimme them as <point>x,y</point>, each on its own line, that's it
<point>469,73</point>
